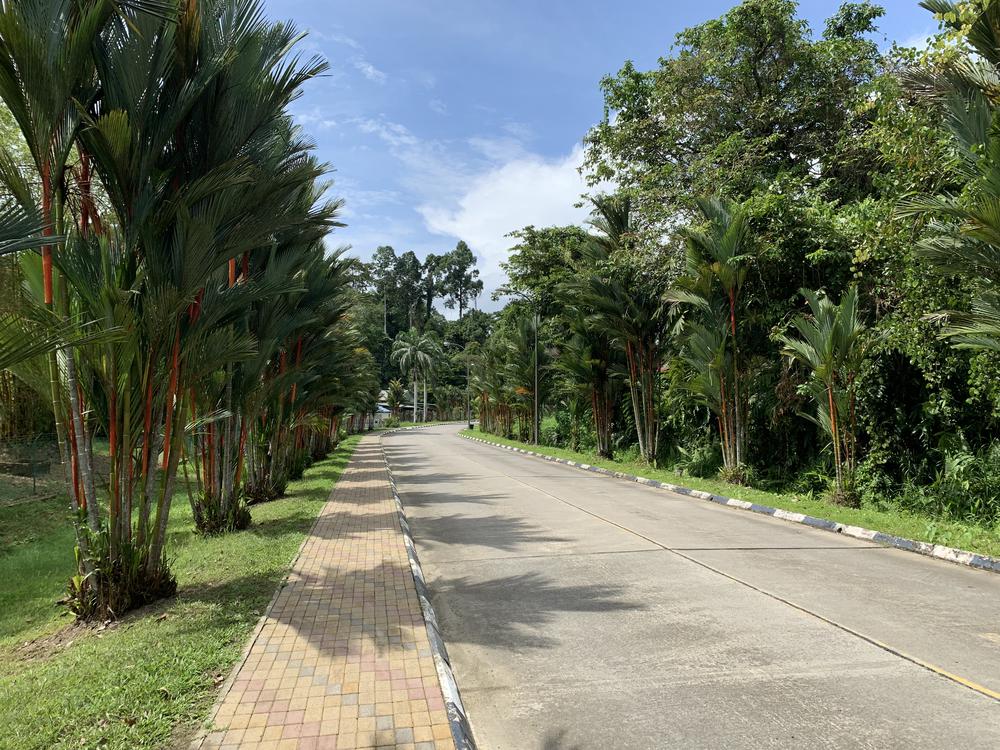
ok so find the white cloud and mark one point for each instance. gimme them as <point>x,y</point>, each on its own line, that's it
<point>431,169</point>
<point>314,119</point>
<point>369,71</point>
<point>919,41</point>
<point>526,190</point>
<point>438,106</point>
<point>478,189</point>
<point>500,150</point>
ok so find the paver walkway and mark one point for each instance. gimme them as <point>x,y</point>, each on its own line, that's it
<point>343,659</point>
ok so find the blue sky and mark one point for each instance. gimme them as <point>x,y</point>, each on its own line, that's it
<point>449,120</point>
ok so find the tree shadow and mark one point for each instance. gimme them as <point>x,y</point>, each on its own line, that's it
<point>496,532</point>
<point>556,740</point>
<point>421,499</point>
<point>513,612</point>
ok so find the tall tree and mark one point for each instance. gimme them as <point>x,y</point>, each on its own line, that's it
<point>712,287</point>
<point>744,99</point>
<point>461,283</point>
<point>832,343</point>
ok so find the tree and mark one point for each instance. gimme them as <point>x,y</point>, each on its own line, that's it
<point>964,236</point>
<point>461,283</point>
<point>624,299</point>
<point>539,263</point>
<point>416,353</point>
<point>744,99</point>
<point>712,286</point>
<point>395,395</point>
<point>832,344</point>
<point>432,271</point>
<point>166,245</point>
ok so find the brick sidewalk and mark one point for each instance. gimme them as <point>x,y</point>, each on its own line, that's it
<point>343,659</point>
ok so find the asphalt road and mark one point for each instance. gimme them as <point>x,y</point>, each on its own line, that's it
<point>582,611</point>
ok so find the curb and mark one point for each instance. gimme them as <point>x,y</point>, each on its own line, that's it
<point>938,551</point>
<point>461,732</point>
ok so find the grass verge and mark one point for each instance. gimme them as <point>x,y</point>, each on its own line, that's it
<point>966,536</point>
<point>148,680</point>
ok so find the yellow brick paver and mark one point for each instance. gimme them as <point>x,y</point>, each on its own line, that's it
<point>343,660</point>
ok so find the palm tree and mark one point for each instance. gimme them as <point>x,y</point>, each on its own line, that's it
<point>204,266</point>
<point>395,395</point>
<point>624,304</point>
<point>963,237</point>
<point>525,372</point>
<point>711,289</point>
<point>832,344</point>
<point>415,352</point>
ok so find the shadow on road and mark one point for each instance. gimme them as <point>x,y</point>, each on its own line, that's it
<point>513,612</point>
<point>496,532</point>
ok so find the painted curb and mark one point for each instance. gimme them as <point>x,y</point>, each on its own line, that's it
<point>938,551</point>
<point>461,731</point>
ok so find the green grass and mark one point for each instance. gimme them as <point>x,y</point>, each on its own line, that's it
<point>149,680</point>
<point>967,536</point>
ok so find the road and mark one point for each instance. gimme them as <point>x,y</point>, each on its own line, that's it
<point>582,611</point>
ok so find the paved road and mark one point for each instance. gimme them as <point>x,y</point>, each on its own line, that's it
<point>582,611</point>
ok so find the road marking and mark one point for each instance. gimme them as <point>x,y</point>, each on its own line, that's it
<point>957,679</point>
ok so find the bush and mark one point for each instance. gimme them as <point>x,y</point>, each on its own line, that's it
<point>112,588</point>
<point>700,458</point>
<point>391,423</point>
<point>210,518</point>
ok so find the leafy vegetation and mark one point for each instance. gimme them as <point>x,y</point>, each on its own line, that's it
<point>793,285</point>
<point>171,292</point>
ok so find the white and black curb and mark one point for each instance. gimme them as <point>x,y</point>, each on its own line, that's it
<point>950,554</point>
<point>460,729</point>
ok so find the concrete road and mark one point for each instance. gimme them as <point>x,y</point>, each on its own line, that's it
<point>582,611</point>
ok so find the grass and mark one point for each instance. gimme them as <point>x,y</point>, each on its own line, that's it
<point>968,536</point>
<point>148,680</point>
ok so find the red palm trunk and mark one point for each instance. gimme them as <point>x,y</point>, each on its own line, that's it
<point>47,231</point>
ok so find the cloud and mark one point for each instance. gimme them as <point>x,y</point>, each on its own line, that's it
<point>438,106</point>
<point>314,119</point>
<point>919,41</point>
<point>432,170</point>
<point>477,189</point>
<point>369,71</point>
<point>529,189</point>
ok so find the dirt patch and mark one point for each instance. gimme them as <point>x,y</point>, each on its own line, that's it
<point>47,646</point>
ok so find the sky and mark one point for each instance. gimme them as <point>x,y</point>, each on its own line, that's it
<point>448,120</point>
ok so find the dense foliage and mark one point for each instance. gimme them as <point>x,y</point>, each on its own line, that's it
<point>170,291</point>
<point>794,284</point>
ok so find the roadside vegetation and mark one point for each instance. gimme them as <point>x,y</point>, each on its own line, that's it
<point>166,292</point>
<point>792,289</point>
<point>889,517</point>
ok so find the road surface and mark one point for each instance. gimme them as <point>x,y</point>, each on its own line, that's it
<point>582,611</point>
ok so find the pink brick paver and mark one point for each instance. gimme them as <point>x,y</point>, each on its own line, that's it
<point>343,659</point>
